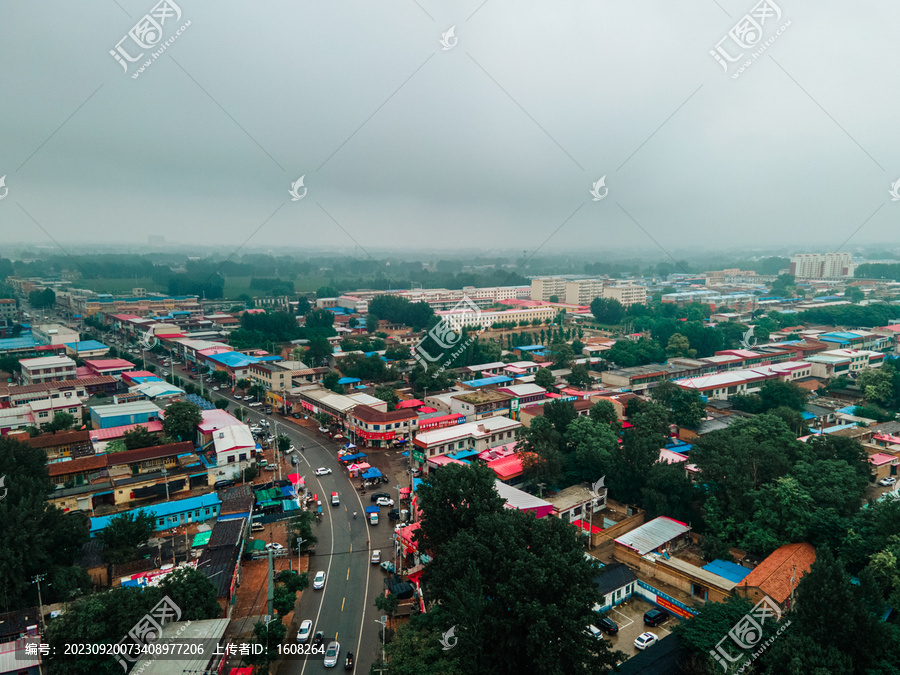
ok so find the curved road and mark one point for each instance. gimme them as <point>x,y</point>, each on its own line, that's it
<point>344,610</point>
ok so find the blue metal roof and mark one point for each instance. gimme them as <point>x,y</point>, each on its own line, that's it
<point>86,345</point>
<point>348,380</point>
<point>17,343</point>
<point>485,381</point>
<point>163,509</point>
<point>530,348</point>
<point>727,570</point>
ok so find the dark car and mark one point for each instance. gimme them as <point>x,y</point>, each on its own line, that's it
<point>220,484</point>
<point>378,495</point>
<point>655,617</point>
<point>296,416</point>
<point>608,626</point>
<point>319,638</point>
<point>394,514</point>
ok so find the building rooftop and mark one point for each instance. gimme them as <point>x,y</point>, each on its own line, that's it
<point>479,397</point>
<point>571,496</point>
<point>479,429</point>
<point>614,576</point>
<point>652,535</point>
<point>134,408</point>
<point>773,575</point>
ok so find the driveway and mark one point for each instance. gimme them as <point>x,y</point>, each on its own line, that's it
<point>630,618</point>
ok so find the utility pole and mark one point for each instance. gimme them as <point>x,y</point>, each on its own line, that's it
<point>541,487</point>
<point>38,578</point>
<point>271,595</point>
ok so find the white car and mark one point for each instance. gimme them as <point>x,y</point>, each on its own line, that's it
<point>255,428</point>
<point>323,471</point>
<point>216,388</point>
<point>305,630</point>
<point>384,501</point>
<point>319,581</point>
<point>645,640</point>
<point>332,653</point>
<point>238,397</point>
<point>376,557</point>
<point>166,373</point>
<point>275,546</point>
<point>290,449</point>
<point>887,481</point>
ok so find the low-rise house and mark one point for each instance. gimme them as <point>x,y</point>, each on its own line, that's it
<point>174,513</point>
<point>778,575</point>
<point>47,369</point>
<point>661,535</point>
<point>63,445</point>
<point>577,503</point>
<point>106,416</point>
<point>472,437</point>
<point>616,584</point>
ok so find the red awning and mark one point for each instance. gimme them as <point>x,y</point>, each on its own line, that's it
<point>405,491</point>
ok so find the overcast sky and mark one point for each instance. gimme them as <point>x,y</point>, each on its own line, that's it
<point>494,142</point>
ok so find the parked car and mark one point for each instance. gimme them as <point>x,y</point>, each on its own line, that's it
<point>268,410</point>
<point>305,630</point>
<point>270,467</point>
<point>275,546</point>
<point>376,557</point>
<point>323,430</point>
<point>257,527</point>
<point>655,617</point>
<point>323,471</point>
<point>887,481</point>
<point>378,495</point>
<point>394,514</point>
<point>645,640</point>
<point>255,404</point>
<point>608,626</point>
<point>216,388</point>
<point>221,484</point>
<point>296,416</point>
<point>385,501</point>
<point>331,654</point>
<point>237,397</point>
<point>319,581</point>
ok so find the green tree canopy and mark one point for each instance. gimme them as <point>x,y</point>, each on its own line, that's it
<point>182,418</point>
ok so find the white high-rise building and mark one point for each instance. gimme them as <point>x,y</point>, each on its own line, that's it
<point>822,265</point>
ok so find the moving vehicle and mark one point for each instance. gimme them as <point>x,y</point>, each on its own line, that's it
<point>335,499</point>
<point>305,630</point>
<point>255,404</point>
<point>219,484</point>
<point>319,638</point>
<point>379,495</point>
<point>887,481</point>
<point>216,388</point>
<point>372,512</point>
<point>654,617</point>
<point>384,501</point>
<point>275,546</point>
<point>608,626</point>
<point>348,662</point>
<point>645,640</point>
<point>376,557</point>
<point>294,461</point>
<point>323,471</point>
<point>268,410</point>
<point>319,581</point>
<point>331,654</point>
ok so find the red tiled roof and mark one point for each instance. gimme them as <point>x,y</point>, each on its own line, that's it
<point>55,440</point>
<point>369,414</point>
<point>81,465</point>
<point>773,575</point>
<point>155,452</point>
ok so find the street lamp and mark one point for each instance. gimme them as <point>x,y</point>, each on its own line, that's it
<point>383,623</point>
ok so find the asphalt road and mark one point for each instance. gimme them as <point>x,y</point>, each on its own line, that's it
<point>344,610</point>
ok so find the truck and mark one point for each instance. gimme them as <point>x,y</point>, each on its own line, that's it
<point>372,512</point>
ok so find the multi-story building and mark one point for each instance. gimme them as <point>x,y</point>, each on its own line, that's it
<point>151,304</point>
<point>822,265</point>
<point>430,447</point>
<point>440,299</point>
<point>272,376</point>
<point>54,334</point>
<point>739,302</point>
<point>47,369</point>
<point>61,446</point>
<point>476,405</point>
<point>8,310</point>
<point>836,362</point>
<point>723,385</point>
<point>353,303</point>
<point>380,429</point>
<point>544,287</point>
<point>627,294</point>
<point>583,291</point>
<point>478,319</point>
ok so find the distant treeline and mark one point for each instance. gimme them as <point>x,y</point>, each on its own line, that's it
<point>878,271</point>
